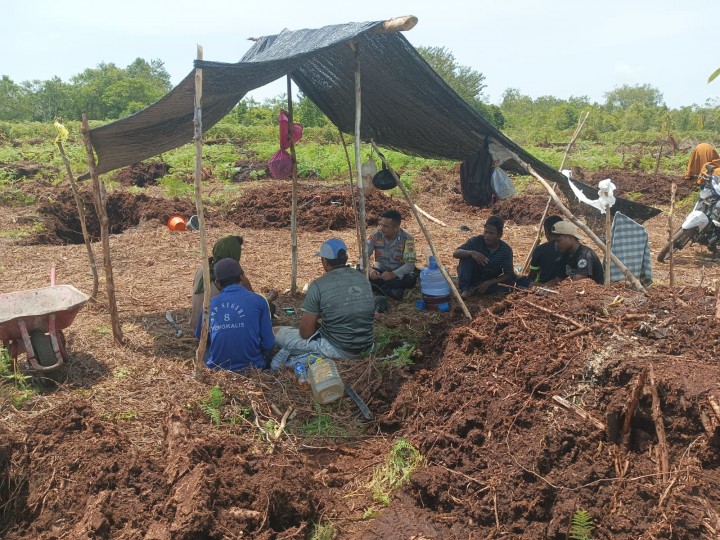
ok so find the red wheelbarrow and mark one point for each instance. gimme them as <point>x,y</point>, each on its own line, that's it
<point>32,322</point>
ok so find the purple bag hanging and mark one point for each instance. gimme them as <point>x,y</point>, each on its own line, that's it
<point>281,165</point>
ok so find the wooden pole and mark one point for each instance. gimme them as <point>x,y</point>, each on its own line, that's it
<point>352,194</point>
<point>673,191</point>
<point>101,211</point>
<point>431,218</point>
<point>397,24</point>
<point>358,167</point>
<point>663,461</point>
<point>632,405</point>
<point>197,138</point>
<point>576,134</point>
<point>638,286</point>
<point>83,221</point>
<point>570,145</point>
<point>608,244</point>
<point>293,211</point>
<point>413,208</point>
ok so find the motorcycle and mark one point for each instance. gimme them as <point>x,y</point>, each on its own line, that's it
<point>702,225</point>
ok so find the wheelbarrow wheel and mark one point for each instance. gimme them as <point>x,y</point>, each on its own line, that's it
<point>42,346</point>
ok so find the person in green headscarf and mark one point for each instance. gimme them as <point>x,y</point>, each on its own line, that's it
<point>228,247</point>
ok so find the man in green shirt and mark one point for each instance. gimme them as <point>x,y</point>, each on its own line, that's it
<point>338,311</point>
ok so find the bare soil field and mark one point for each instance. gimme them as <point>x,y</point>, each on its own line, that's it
<point>122,446</point>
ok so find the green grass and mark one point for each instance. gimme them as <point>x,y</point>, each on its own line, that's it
<point>323,531</point>
<point>323,424</point>
<point>21,389</point>
<point>400,463</point>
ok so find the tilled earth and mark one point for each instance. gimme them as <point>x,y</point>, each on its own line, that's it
<point>124,445</point>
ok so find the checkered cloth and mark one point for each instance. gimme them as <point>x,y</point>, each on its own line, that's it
<point>630,245</point>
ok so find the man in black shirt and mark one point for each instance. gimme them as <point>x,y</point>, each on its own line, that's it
<point>580,261</point>
<point>546,264</point>
<point>485,261</point>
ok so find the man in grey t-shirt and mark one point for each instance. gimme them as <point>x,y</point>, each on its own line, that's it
<point>343,299</point>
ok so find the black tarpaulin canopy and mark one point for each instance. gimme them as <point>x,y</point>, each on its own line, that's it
<point>406,105</point>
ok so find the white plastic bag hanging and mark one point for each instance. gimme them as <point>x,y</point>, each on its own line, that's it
<point>605,195</point>
<point>501,183</point>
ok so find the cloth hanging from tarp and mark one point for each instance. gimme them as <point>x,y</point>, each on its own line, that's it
<point>631,246</point>
<point>475,174</point>
<point>297,130</point>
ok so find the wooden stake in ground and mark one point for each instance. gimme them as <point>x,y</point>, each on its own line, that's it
<point>673,191</point>
<point>405,193</point>
<point>570,145</point>
<point>632,405</point>
<point>608,244</point>
<point>358,167</point>
<point>100,208</point>
<point>638,286</point>
<point>83,220</point>
<point>352,195</point>
<point>197,138</point>
<point>663,460</point>
<point>293,211</point>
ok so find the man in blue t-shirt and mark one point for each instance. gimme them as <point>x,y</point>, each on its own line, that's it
<point>485,261</point>
<point>240,327</point>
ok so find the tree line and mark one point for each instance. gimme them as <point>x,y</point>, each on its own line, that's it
<point>109,92</point>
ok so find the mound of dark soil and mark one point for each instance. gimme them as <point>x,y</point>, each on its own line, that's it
<point>503,456</point>
<point>645,188</point>
<point>319,209</point>
<point>142,174</point>
<point>72,465</point>
<point>62,224</point>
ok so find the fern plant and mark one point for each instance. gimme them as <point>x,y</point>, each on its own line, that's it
<point>212,405</point>
<point>581,526</point>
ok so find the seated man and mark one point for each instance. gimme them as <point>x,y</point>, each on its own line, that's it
<point>343,298</point>
<point>240,328</point>
<point>485,261</point>
<point>394,249</point>
<point>227,247</point>
<point>546,263</point>
<point>580,261</point>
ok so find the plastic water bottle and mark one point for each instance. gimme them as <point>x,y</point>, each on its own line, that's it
<point>435,290</point>
<point>301,374</point>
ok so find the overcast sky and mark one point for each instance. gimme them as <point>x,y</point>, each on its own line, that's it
<point>560,48</point>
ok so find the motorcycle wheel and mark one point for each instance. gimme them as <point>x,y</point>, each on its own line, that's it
<point>679,241</point>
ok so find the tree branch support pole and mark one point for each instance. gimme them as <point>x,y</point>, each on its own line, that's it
<point>635,282</point>
<point>101,210</point>
<point>352,193</point>
<point>405,193</point>
<point>358,167</point>
<point>83,221</point>
<point>293,211</point>
<point>197,138</point>
<point>663,460</point>
<point>608,244</point>
<point>673,191</point>
<point>570,145</point>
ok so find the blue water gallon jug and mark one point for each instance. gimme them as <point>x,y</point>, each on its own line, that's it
<point>435,290</point>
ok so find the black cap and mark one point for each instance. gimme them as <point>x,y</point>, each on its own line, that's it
<point>226,269</point>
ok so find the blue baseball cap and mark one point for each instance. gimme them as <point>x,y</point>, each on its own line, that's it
<point>331,248</point>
